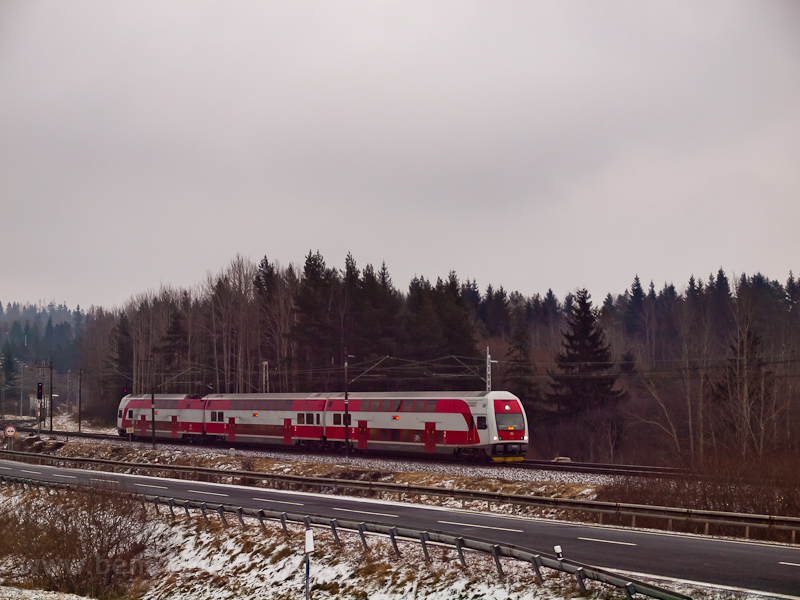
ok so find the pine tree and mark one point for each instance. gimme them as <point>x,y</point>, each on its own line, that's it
<point>519,372</point>
<point>585,381</point>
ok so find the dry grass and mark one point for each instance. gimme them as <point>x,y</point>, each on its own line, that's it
<point>770,487</point>
<point>88,543</point>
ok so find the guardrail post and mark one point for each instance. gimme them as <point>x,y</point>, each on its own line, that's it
<point>536,561</point>
<point>283,523</point>
<point>633,520</point>
<point>239,512</point>
<point>334,525</point>
<point>496,555</point>
<point>459,544</point>
<point>221,512</point>
<point>580,575</point>
<point>186,508</point>
<point>307,521</point>
<point>155,503</point>
<point>362,527</point>
<point>143,505</point>
<point>794,531</point>
<point>203,510</point>
<point>630,590</point>
<point>746,532</point>
<point>392,534</point>
<point>706,529</point>
<point>422,538</point>
<point>171,504</point>
<point>260,515</point>
<point>669,524</point>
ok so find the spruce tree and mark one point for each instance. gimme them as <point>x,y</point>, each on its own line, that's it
<point>519,372</point>
<point>585,381</point>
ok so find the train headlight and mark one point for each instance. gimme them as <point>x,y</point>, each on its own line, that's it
<point>525,438</point>
<point>496,438</point>
<point>508,407</point>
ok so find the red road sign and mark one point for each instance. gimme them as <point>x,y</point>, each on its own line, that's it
<point>11,431</point>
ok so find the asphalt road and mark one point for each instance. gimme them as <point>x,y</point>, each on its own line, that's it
<point>762,567</point>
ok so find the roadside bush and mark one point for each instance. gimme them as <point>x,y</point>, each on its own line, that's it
<point>90,542</point>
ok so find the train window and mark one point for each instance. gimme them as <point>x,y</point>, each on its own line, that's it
<point>481,422</point>
<point>301,419</point>
<point>471,422</point>
<point>430,406</point>
<point>419,405</point>
<point>396,405</point>
<point>386,405</point>
<point>220,417</point>
<point>309,418</point>
<point>213,416</point>
<point>287,405</point>
<point>130,414</point>
<point>395,435</point>
<point>337,419</point>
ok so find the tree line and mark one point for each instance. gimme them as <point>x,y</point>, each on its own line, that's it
<point>646,376</point>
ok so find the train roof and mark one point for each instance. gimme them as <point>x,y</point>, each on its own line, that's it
<point>365,395</point>
<point>162,397</point>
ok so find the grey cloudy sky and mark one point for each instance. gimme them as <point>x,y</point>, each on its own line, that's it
<point>531,144</point>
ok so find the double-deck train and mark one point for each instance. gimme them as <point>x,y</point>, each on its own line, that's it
<point>483,425</point>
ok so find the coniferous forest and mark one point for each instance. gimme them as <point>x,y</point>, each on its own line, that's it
<point>683,375</point>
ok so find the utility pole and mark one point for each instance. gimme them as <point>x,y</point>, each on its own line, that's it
<point>346,408</point>
<point>153,401</point>
<point>489,363</point>
<point>69,392</point>
<point>80,389</point>
<point>265,377</point>
<point>21,388</point>
<point>51,395</point>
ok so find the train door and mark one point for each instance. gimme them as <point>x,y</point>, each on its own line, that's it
<point>287,432</point>
<point>231,429</point>
<point>430,437</point>
<point>363,435</point>
<point>174,426</point>
<point>143,425</point>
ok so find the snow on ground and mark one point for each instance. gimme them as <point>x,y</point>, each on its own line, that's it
<point>13,593</point>
<point>193,559</point>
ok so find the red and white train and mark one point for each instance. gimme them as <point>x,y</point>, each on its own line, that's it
<point>471,424</point>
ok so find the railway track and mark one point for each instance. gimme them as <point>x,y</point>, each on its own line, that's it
<point>543,465</point>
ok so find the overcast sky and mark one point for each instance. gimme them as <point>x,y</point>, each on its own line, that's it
<point>530,144</point>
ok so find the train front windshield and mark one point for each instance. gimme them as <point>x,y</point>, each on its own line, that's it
<point>510,422</point>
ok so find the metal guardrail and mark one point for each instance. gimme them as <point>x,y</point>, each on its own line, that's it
<point>634,511</point>
<point>605,469</point>
<point>538,560</point>
<point>581,571</point>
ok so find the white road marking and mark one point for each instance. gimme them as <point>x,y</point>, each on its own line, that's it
<point>606,541</point>
<point>161,487</point>
<point>34,472</point>
<point>208,493</point>
<point>481,526</point>
<point>6,468</point>
<point>364,512</point>
<point>64,476</point>
<point>104,480</point>
<point>278,501</point>
<point>789,564</point>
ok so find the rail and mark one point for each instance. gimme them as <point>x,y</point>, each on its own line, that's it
<point>537,560</point>
<point>545,465</point>
<point>404,491</point>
